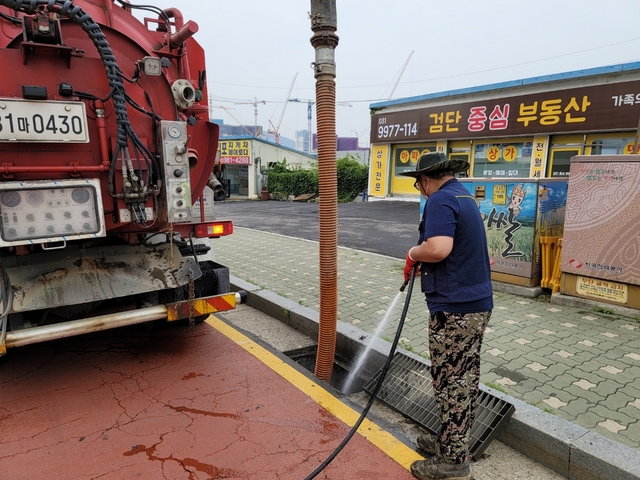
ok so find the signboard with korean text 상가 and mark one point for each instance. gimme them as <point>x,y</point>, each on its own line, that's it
<point>378,170</point>
<point>502,160</point>
<point>596,108</point>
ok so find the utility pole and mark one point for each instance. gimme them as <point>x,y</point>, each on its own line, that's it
<point>357,139</point>
<point>310,104</point>
<point>309,117</point>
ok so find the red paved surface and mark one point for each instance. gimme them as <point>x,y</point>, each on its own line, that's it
<point>171,404</point>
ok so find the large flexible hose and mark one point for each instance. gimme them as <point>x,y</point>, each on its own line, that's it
<point>324,23</point>
<point>328,226</point>
<point>383,374</point>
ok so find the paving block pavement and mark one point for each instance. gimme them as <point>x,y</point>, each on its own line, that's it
<point>575,362</point>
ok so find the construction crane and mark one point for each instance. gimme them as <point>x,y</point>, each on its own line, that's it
<point>255,104</point>
<point>237,121</point>
<point>400,75</point>
<point>310,116</point>
<point>276,129</point>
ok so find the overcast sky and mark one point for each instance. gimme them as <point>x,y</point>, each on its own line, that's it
<point>255,48</point>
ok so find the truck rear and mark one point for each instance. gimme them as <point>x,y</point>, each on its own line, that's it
<point>108,171</point>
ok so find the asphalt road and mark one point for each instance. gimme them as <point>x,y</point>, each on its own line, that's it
<point>383,227</point>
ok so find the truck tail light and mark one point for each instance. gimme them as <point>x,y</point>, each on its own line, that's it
<point>214,229</point>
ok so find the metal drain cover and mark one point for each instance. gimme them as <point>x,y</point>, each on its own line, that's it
<point>407,388</point>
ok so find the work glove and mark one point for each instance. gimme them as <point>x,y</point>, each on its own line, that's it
<point>408,267</point>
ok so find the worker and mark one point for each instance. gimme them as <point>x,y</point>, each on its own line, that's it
<point>453,263</point>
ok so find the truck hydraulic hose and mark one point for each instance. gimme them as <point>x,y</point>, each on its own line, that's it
<point>383,374</point>
<point>118,96</point>
<point>7,301</point>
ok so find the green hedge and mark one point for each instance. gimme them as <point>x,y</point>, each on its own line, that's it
<point>294,182</point>
<point>352,179</point>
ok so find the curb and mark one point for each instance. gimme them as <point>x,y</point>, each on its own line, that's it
<point>570,301</point>
<point>528,292</point>
<point>570,450</point>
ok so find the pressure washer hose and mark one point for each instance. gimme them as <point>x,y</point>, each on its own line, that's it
<point>383,374</point>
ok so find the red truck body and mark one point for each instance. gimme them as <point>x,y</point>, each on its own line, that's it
<point>108,165</point>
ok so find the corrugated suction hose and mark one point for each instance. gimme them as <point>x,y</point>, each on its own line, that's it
<point>328,226</point>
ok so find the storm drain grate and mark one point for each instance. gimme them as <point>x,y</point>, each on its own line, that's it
<point>407,388</point>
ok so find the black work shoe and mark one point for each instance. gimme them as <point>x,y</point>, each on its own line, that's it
<point>436,468</point>
<point>428,444</point>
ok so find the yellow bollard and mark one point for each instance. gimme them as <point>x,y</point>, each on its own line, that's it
<point>549,245</point>
<point>555,277</point>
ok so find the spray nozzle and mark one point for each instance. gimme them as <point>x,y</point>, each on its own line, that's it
<point>414,271</point>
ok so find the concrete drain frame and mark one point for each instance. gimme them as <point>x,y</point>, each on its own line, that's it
<point>306,358</point>
<point>407,388</point>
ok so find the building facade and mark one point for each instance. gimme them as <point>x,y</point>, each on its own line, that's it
<point>520,138</point>
<point>521,129</point>
<point>246,160</point>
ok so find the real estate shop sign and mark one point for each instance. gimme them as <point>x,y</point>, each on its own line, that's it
<point>612,106</point>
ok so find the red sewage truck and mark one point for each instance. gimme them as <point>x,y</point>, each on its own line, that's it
<point>108,168</point>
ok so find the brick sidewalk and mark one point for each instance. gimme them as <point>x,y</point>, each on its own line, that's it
<point>577,364</point>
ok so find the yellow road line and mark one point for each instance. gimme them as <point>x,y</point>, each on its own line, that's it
<point>386,442</point>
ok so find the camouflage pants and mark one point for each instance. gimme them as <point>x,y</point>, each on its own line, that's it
<point>455,340</point>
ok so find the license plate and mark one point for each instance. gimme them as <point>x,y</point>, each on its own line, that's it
<point>43,121</point>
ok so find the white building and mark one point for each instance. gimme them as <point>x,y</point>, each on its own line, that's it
<point>246,160</point>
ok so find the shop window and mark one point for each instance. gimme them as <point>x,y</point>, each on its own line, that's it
<point>460,156</point>
<point>405,158</point>
<point>610,145</point>
<point>231,174</point>
<point>502,160</point>
<point>561,161</point>
<point>238,177</point>
<point>243,180</point>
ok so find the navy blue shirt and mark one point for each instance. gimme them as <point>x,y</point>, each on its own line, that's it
<point>460,283</point>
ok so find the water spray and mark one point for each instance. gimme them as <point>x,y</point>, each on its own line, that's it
<point>383,374</point>
<point>362,356</point>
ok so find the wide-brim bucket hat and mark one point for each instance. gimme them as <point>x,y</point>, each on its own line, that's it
<point>437,162</point>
